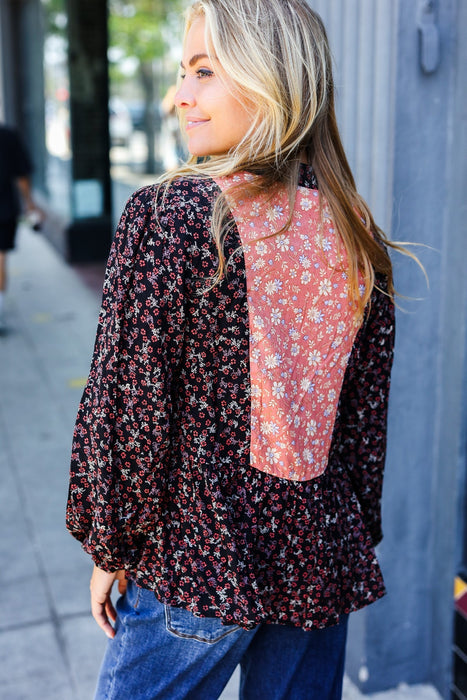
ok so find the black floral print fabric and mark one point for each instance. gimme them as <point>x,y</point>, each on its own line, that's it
<point>161,483</point>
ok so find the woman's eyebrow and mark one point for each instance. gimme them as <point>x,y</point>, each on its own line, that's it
<point>194,59</point>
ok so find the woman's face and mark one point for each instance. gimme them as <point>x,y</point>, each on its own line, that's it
<point>215,120</point>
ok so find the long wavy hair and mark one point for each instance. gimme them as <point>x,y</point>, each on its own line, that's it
<point>277,54</point>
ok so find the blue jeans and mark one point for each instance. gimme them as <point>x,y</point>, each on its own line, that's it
<point>165,653</point>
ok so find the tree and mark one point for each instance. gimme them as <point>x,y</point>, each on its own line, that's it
<point>55,17</point>
<point>145,31</point>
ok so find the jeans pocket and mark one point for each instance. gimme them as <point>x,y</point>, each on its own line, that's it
<point>182,623</point>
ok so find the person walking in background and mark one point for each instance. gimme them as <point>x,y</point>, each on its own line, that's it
<point>228,454</point>
<point>15,171</point>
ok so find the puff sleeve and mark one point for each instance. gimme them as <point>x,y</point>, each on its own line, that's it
<point>122,432</point>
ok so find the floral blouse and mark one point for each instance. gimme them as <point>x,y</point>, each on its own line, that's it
<point>229,447</point>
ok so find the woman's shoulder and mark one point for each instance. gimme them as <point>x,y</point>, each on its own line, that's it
<point>183,197</point>
<point>189,186</point>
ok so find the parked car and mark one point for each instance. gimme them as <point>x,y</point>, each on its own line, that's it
<point>120,123</point>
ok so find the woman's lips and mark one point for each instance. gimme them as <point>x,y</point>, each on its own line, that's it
<point>192,123</point>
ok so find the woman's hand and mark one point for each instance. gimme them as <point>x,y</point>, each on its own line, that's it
<point>102,607</point>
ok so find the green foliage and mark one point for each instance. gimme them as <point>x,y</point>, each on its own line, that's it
<point>144,29</point>
<point>55,15</point>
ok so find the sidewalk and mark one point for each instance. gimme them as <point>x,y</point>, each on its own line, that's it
<point>50,647</point>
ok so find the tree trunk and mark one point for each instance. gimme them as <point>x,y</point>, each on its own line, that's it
<point>151,116</point>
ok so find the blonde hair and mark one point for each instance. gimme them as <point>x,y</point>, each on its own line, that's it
<point>277,54</point>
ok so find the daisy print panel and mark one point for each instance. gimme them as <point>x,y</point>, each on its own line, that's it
<point>302,328</point>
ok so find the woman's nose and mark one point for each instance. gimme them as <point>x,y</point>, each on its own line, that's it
<point>184,96</point>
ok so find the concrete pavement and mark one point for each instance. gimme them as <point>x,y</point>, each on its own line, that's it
<point>48,644</point>
<point>50,648</point>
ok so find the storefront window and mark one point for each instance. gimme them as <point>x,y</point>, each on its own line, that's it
<point>144,56</point>
<point>57,109</point>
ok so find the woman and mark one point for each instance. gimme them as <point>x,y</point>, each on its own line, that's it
<point>15,190</point>
<point>228,453</point>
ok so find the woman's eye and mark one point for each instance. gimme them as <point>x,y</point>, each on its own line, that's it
<point>204,73</point>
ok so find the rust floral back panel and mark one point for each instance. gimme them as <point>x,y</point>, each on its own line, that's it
<point>302,328</point>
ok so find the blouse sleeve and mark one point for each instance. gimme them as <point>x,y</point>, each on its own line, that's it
<point>122,429</point>
<point>363,407</point>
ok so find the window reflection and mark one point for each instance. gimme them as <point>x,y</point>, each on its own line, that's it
<point>144,56</point>
<point>57,108</point>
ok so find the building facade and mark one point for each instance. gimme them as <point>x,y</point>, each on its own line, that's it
<point>21,76</point>
<point>403,108</point>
